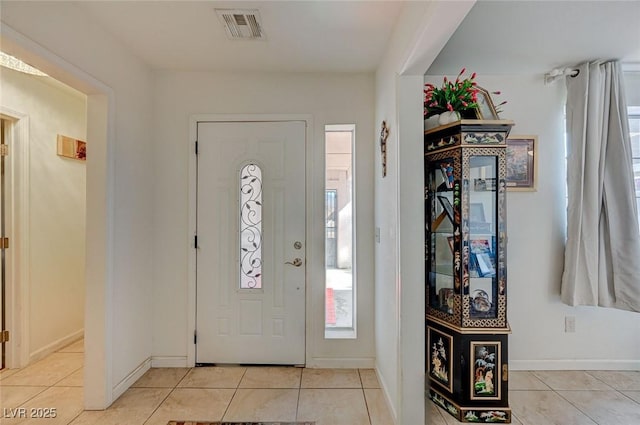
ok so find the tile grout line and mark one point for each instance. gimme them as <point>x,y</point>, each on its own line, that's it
<point>184,377</point>
<point>299,391</point>
<point>32,397</point>
<point>576,407</point>
<point>159,404</point>
<point>364,395</point>
<point>78,415</point>
<point>532,372</point>
<point>598,379</point>
<point>62,379</point>
<point>235,391</point>
<point>630,398</point>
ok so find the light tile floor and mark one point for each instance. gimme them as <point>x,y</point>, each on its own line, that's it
<point>566,398</point>
<point>328,396</point>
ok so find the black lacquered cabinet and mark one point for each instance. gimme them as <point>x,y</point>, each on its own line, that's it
<point>465,269</point>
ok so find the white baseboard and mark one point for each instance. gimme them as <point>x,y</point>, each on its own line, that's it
<point>55,346</point>
<point>169,361</point>
<point>341,363</point>
<point>387,399</point>
<point>516,365</point>
<point>131,378</point>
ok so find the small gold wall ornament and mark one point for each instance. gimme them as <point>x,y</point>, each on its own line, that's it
<point>384,134</point>
<point>71,148</point>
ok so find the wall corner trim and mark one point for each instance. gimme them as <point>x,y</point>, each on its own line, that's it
<point>131,378</point>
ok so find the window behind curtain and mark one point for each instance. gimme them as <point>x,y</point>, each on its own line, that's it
<point>634,130</point>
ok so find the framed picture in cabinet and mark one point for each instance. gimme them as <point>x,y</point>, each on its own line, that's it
<point>439,358</point>
<point>485,370</point>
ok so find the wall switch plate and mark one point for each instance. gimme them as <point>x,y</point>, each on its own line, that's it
<point>570,323</point>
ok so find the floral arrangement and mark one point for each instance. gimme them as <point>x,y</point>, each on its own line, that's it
<point>459,95</point>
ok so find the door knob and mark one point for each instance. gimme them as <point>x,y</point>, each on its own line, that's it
<point>297,262</point>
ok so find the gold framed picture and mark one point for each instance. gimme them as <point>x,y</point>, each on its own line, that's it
<point>71,148</point>
<point>486,109</point>
<point>522,163</point>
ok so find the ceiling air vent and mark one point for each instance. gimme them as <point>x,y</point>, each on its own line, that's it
<point>241,24</point>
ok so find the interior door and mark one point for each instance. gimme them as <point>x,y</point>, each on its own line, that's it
<point>3,247</point>
<point>251,221</point>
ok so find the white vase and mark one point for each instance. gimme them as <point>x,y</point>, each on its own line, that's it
<point>448,117</point>
<point>431,122</point>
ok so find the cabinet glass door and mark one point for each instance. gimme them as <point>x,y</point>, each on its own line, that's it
<point>483,271</point>
<point>440,241</point>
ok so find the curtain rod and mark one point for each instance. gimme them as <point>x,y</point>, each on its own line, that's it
<point>557,73</point>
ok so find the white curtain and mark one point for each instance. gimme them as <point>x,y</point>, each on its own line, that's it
<point>602,255</point>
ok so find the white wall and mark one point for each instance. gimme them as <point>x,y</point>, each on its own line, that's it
<point>60,39</point>
<point>330,99</point>
<point>56,214</point>
<point>420,32</point>
<point>536,225</point>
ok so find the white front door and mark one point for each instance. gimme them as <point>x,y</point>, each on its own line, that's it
<point>251,220</point>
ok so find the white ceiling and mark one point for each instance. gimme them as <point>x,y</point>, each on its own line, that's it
<point>496,37</point>
<point>302,36</point>
<point>514,37</point>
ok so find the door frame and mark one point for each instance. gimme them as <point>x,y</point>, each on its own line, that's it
<point>17,262</point>
<point>193,178</point>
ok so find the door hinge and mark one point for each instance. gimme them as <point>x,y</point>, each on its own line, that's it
<point>4,336</point>
<point>195,337</point>
<point>4,150</point>
<point>196,147</point>
<point>195,241</point>
<point>4,243</point>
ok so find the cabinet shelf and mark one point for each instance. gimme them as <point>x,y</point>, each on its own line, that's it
<point>443,271</point>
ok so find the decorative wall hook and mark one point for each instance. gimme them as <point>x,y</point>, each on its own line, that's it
<point>384,134</point>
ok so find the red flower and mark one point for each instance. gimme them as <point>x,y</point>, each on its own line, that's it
<point>449,107</point>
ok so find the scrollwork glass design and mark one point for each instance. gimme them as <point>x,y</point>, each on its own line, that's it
<point>251,227</point>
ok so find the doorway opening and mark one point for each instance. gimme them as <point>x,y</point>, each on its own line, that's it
<point>43,217</point>
<point>99,125</point>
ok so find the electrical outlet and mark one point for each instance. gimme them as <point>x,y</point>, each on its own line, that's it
<point>570,323</point>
